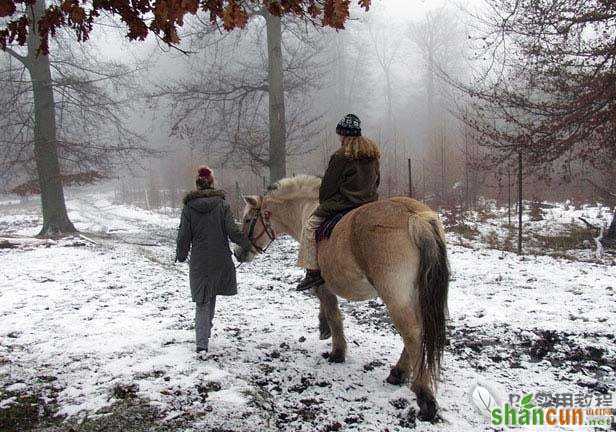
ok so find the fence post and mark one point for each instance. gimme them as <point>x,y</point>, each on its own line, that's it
<point>411,192</point>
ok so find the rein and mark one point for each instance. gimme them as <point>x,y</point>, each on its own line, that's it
<point>268,230</point>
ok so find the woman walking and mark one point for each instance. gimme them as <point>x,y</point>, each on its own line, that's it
<point>206,226</point>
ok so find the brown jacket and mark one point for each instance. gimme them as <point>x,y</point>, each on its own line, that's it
<point>348,183</point>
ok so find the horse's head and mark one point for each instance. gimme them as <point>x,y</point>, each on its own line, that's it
<point>257,226</point>
<point>280,211</point>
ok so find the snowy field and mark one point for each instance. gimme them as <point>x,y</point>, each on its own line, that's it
<point>101,334</point>
<point>555,229</point>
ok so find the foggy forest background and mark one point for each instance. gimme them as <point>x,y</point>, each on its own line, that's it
<point>140,118</point>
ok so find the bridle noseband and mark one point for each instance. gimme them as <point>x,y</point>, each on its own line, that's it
<point>268,229</point>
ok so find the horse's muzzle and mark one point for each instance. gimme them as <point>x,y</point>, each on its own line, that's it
<point>242,255</point>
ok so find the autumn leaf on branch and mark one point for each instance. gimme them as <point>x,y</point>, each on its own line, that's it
<point>7,8</point>
<point>234,16</point>
<point>365,4</point>
<point>161,17</point>
<point>314,10</point>
<point>336,13</point>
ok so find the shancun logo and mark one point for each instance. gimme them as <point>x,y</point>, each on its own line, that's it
<point>526,413</point>
<point>543,408</point>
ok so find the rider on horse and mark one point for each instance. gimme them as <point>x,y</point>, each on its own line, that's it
<point>351,179</point>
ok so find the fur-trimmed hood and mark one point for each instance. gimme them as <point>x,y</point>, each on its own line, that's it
<point>193,199</point>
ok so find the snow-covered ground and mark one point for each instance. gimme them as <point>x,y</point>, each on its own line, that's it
<point>85,326</point>
<point>556,229</point>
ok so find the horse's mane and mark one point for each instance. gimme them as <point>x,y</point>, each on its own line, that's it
<point>301,186</point>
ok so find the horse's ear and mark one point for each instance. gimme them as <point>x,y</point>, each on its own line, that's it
<point>252,200</point>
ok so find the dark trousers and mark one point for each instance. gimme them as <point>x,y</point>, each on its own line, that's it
<point>204,315</point>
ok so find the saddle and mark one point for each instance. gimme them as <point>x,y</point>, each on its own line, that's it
<point>324,231</point>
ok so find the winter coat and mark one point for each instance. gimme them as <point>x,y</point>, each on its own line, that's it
<point>205,229</point>
<point>348,183</point>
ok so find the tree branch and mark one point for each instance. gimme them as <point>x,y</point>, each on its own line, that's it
<point>24,60</point>
<point>588,224</point>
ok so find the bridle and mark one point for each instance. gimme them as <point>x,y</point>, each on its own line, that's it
<point>268,230</point>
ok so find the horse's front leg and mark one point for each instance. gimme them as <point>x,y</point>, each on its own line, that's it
<point>324,331</point>
<point>331,312</point>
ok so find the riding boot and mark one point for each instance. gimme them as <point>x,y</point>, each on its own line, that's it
<point>313,279</point>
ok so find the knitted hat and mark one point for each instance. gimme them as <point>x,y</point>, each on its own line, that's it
<point>350,126</point>
<point>205,177</point>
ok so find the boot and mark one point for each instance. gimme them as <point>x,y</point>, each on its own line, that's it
<point>313,279</point>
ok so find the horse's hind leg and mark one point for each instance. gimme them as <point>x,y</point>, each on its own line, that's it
<point>399,374</point>
<point>331,311</point>
<point>406,321</point>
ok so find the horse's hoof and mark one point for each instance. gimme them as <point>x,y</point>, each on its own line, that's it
<point>427,407</point>
<point>396,376</point>
<point>336,357</point>
<point>429,416</point>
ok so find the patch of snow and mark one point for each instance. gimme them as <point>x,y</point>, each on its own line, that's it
<point>98,316</point>
<point>17,387</point>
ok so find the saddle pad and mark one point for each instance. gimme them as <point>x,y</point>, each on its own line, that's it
<point>324,231</point>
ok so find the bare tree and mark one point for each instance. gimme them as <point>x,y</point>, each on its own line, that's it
<point>438,37</point>
<point>224,104</point>
<point>63,117</point>
<point>439,42</point>
<point>551,96</point>
<point>33,23</point>
<point>387,55</point>
<point>55,217</point>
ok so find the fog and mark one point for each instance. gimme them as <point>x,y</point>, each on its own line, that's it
<point>378,68</point>
<point>399,67</point>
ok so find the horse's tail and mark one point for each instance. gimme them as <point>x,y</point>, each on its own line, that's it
<point>432,286</point>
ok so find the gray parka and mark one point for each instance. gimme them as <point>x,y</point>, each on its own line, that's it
<point>206,227</point>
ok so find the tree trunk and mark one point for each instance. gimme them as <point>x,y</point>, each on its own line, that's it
<point>55,216</point>
<point>277,122</point>
<point>389,96</point>
<point>443,169</point>
<point>509,196</point>
<point>520,202</point>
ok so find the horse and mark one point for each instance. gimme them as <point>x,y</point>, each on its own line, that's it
<point>392,248</point>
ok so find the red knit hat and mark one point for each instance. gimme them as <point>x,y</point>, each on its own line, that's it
<point>205,175</point>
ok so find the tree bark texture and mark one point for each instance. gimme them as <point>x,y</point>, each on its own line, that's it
<point>55,216</point>
<point>277,121</point>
